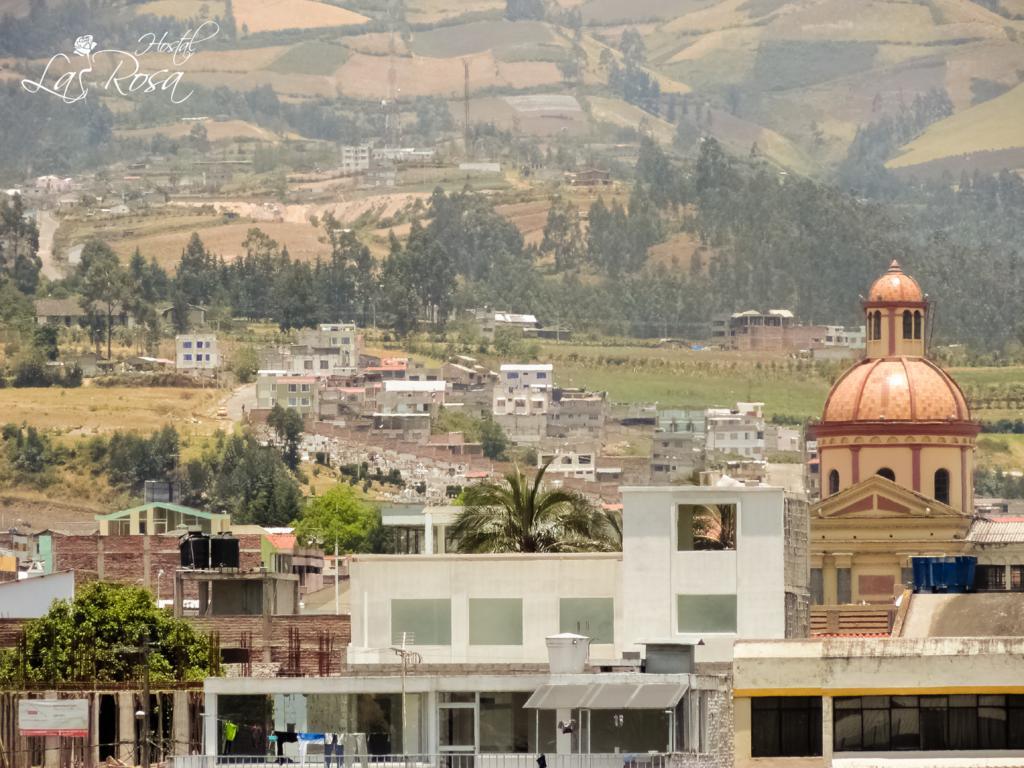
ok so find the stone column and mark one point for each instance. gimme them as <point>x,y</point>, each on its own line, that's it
<point>826,730</point>
<point>126,727</point>
<point>210,730</point>
<point>180,724</point>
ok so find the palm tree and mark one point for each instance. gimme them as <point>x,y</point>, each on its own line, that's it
<point>517,515</point>
<point>714,527</point>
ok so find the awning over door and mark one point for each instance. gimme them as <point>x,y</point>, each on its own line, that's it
<point>607,696</point>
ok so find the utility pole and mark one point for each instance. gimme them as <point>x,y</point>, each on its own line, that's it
<point>337,597</point>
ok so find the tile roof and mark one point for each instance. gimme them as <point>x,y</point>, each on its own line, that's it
<point>997,530</point>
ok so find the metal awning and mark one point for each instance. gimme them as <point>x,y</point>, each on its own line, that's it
<point>607,696</point>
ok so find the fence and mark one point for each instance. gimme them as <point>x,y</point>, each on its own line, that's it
<point>443,760</point>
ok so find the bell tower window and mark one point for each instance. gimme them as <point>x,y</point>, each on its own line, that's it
<point>887,473</point>
<point>876,325</point>
<point>833,482</point>
<point>942,485</point>
<point>917,324</point>
<point>908,324</point>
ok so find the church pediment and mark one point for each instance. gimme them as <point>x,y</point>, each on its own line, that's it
<point>877,498</point>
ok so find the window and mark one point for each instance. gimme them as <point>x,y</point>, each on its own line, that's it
<point>705,527</point>
<point>186,344</point>
<point>590,616</point>
<point>305,387</point>
<point>305,401</point>
<point>887,473</point>
<point>207,358</point>
<point>785,726</point>
<point>307,365</point>
<point>833,482</point>
<point>188,357</point>
<point>817,587</point>
<point>541,375</point>
<point>928,723</point>
<point>877,325</point>
<point>844,586</point>
<point>990,578</point>
<point>495,621</point>
<point>706,613</point>
<point>1017,578</point>
<point>511,375</point>
<point>291,402</point>
<point>323,365</point>
<point>917,325</point>
<point>425,622</point>
<point>942,485</point>
<point>908,324</point>
<point>292,388</point>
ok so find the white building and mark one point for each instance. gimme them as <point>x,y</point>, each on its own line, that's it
<point>575,464</point>
<point>196,352</point>
<point>844,336</point>
<point>401,396</point>
<point>515,632</point>
<point>737,432</point>
<point>355,158</point>
<point>331,349</point>
<point>523,389</point>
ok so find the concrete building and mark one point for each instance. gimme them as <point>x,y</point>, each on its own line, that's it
<point>523,389</point>
<point>852,337</point>
<point>402,397</point>
<point>625,650</point>
<point>196,352</point>
<point>950,702</point>
<point>31,597</point>
<point>354,158</point>
<point>331,349</point>
<point>736,432</point>
<point>577,413</point>
<point>576,463</point>
<point>289,391</point>
<point>488,321</point>
<point>676,456</point>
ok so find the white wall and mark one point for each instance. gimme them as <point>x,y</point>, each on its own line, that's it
<point>654,573</point>
<point>539,580</point>
<point>31,598</point>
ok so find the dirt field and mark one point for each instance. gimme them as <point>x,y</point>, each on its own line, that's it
<point>94,410</point>
<point>270,15</point>
<point>478,36</point>
<point>215,131</point>
<point>181,9</point>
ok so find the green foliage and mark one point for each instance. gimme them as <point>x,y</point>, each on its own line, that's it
<point>28,452</point>
<point>91,639</point>
<point>245,362</point>
<point>338,517</point>
<point>19,241</point>
<point>782,65</point>
<point>105,285</point>
<point>239,476</point>
<point>487,432</point>
<point>132,459</point>
<point>287,425</point>
<point>517,515</point>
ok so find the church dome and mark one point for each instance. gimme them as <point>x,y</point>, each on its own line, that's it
<point>895,285</point>
<point>895,389</point>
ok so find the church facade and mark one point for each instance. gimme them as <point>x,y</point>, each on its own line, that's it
<point>896,445</point>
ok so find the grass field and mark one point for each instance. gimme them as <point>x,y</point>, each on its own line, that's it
<point>477,36</point>
<point>96,410</point>
<point>182,9</point>
<point>222,130</point>
<point>991,125</point>
<point>311,57</point>
<point>271,15</point>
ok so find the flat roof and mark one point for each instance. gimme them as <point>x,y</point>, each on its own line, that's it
<point>121,513</point>
<point>527,367</point>
<point>401,385</point>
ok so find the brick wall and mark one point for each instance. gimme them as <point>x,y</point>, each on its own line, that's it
<point>274,633</point>
<point>718,749</point>
<point>796,572</point>
<point>136,559</point>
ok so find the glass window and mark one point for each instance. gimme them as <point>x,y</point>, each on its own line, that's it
<point>590,616</point>
<point>541,375</point>
<point>706,613</point>
<point>877,323</point>
<point>186,344</point>
<point>785,726</point>
<point>833,482</point>
<point>426,621</point>
<point>844,586</point>
<point>456,727</point>
<point>990,577</point>
<point>942,485</point>
<point>504,724</point>
<point>495,621</point>
<point>887,473</point>
<point>817,587</point>
<point>908,324</point>
<point>188,357</point>
<point>917,325</point>
<point>1017,578</point>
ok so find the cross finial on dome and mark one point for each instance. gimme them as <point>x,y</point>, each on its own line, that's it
<point>895,266</point>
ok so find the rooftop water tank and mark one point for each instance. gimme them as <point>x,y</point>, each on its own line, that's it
<point>194,549</point>
<point>568,653</point>
<point>224,551</point>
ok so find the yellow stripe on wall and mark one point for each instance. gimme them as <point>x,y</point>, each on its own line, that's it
<point>753,693</point>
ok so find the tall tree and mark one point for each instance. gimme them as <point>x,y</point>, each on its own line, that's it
<point>19,245</point>
<point>105,285</point>
<point>338,518</point>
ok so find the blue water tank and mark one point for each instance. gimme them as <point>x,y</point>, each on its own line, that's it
<point>944,574</point>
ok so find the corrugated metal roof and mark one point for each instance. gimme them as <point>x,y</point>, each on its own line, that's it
<point>1006,530</point>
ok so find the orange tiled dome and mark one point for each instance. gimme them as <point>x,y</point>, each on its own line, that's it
<point>895,389</point>
<point>895,285</point>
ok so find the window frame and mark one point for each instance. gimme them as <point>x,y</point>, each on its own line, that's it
<point>762,706</point>
<point>833,482</point>
<point>944,474</point>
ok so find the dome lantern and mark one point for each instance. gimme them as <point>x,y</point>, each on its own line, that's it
<point>895,313</point>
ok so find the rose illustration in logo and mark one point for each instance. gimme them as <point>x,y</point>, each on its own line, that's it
<point>84,45</point>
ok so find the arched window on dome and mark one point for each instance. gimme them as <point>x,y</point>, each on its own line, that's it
<point>908,324</point>
<point>887,473</point>
<point>918,317</point>
<point>876,325</point>
<point>833,482</point>
<point>942,485</point>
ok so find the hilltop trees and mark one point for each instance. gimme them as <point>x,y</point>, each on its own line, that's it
<point>19,243</point>
<point>105,286</point>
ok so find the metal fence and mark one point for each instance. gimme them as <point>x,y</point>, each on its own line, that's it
<point>442,760</point>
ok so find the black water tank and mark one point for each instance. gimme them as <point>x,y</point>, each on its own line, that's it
<point>224,552</point>
<point>195,551</point>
